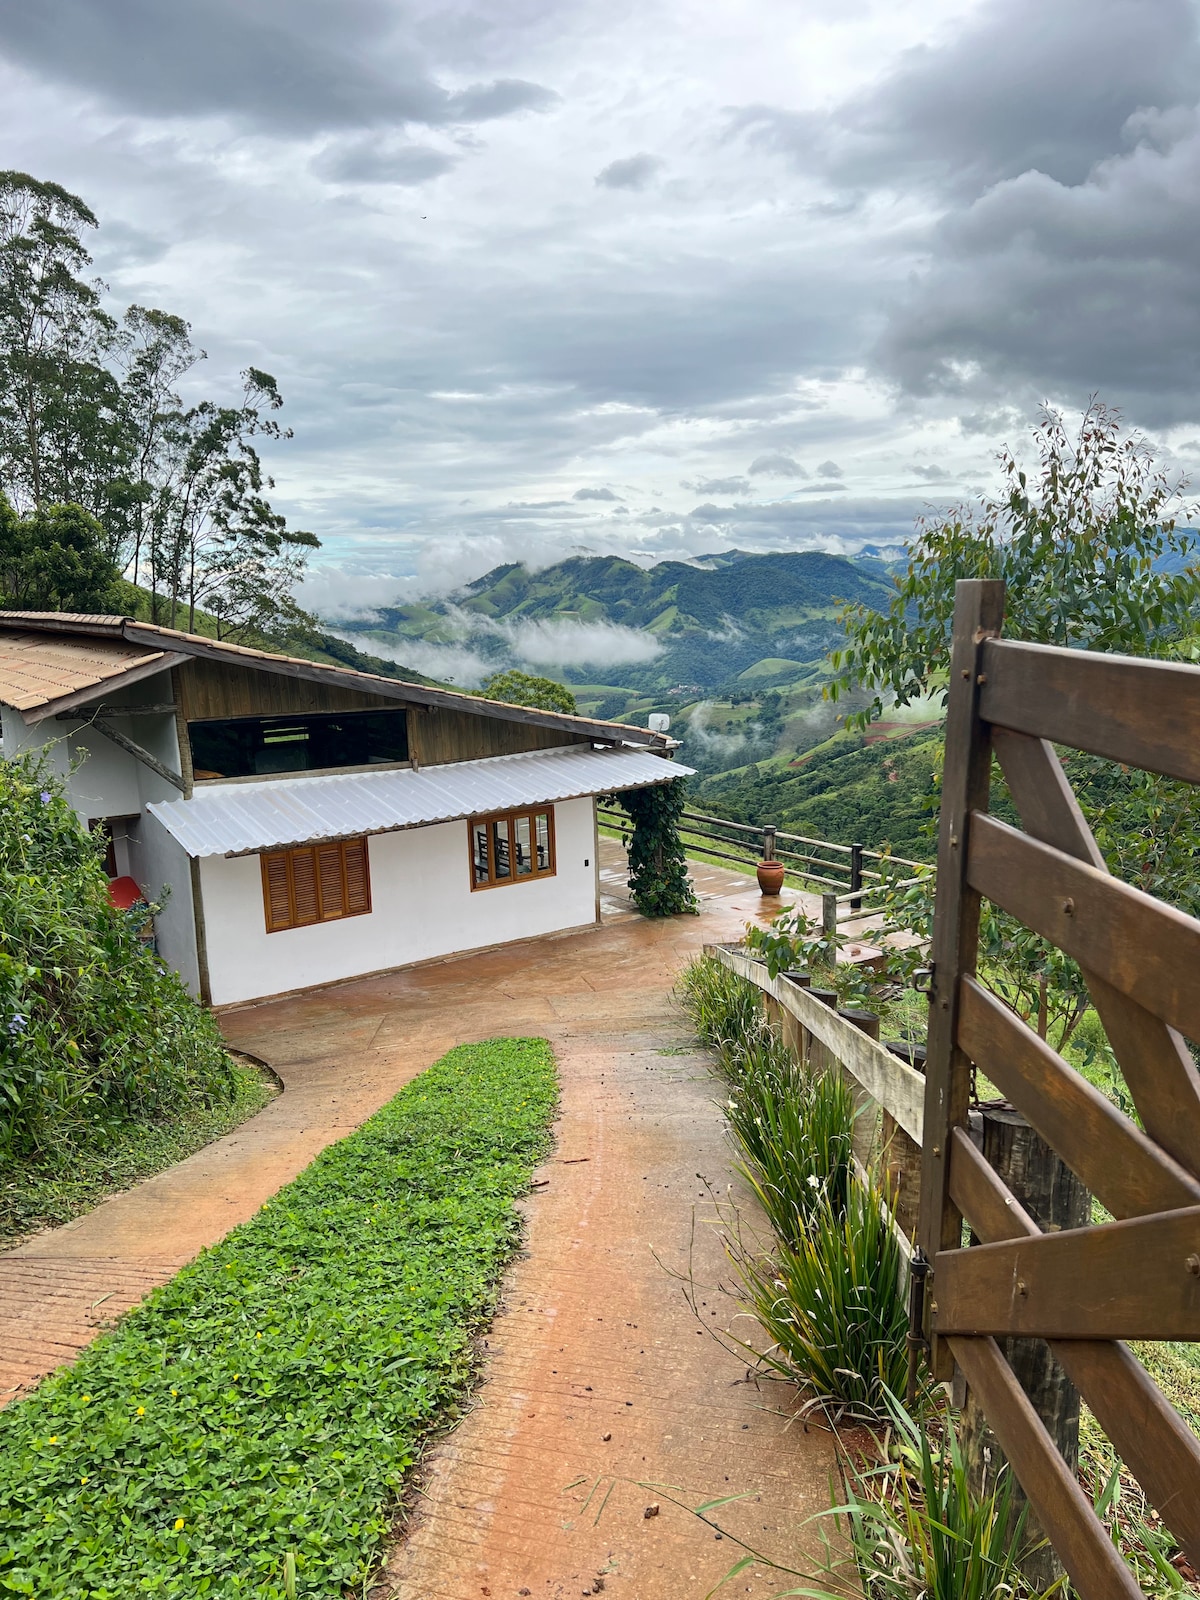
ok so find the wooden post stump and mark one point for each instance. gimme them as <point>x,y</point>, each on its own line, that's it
<point>1055,1199</point>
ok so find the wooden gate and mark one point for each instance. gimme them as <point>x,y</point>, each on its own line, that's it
<point>1137,1277</point>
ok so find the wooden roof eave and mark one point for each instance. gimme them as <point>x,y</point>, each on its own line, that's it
<point>394,688</point>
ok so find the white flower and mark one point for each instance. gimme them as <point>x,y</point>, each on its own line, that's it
<point>813,1181</point>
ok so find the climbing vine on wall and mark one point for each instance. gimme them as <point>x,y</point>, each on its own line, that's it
<point>658,876</point>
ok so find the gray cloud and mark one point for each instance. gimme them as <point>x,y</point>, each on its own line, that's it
<point>829,469</point>
<point>719,486</point>
<point>595,494</point>
<point>776,464</point>
<point>306,67</point>
<point>632,172</point>
<point>381,158</point>
<point>931,474</point>
<point>1043,288</point>
<point>1019,86</point>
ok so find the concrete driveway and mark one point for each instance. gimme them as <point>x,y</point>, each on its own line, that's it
<point>599,1380</point>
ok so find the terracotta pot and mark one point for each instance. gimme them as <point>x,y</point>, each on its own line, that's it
<point>770,876</point>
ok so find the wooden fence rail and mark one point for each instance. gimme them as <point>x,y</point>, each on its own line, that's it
<point>1086,1289</point>
<point>841,868</point>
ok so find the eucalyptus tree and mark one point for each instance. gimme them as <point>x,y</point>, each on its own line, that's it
<point>63,436</point>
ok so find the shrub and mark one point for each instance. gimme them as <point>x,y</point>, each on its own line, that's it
<point>724,1009</point>
<point>832,1303</point>
<point>93,1029</point>
<point>269,1401</point>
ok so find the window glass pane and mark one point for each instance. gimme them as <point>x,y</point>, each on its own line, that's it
<point>500,845</point>
<point>523,846</point>
<point>241,747</point>
<point>479,851</point>
<point>542,821</point>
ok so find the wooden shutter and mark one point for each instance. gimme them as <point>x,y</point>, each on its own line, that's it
<point>315,883</point>
<point>306,906</point>
<point>277,897</point>
<point>358,877</point>
<point>332,880</point>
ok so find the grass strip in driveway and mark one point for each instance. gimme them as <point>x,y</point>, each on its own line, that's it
<point>268,1401</point>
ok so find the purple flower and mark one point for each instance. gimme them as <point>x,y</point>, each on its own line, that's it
<point>17,1024</point>
<point>46,797</point>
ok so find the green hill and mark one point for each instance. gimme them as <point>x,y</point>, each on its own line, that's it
<point>692,628</point>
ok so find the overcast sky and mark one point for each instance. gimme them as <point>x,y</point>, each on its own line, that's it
<point>652,276</point>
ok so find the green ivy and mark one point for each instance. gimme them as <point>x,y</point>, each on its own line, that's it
<point>260,1413</point>
<point>658,875</point>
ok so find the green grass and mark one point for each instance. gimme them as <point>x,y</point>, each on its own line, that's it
<point>269,1401</point>
<point>48,1190</point>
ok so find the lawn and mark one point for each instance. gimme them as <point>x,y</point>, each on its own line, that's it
<point>256,1418</point>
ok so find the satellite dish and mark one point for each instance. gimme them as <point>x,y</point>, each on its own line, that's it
<point>658,722</point>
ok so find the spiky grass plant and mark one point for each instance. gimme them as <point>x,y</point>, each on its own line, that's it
<point>832,1304</point>
<point>917,1530</point>
<point>795,1132</point>
<point>725,1009</point>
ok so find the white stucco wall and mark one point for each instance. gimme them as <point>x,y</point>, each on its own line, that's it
<point>159,863</point>
<point>422,906</point>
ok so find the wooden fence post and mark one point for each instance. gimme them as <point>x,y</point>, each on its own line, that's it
<point>900,1154</point>
<point>866,1121</point>
<point>1056,1199</point>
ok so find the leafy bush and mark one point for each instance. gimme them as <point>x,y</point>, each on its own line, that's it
<point>93,1029</point>
<point>268,1401</point>
<point>658,875</point>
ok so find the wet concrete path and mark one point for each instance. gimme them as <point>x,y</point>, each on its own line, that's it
<point>595,1336</point>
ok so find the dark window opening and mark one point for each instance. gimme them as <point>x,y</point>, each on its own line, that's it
<point>245,747</point>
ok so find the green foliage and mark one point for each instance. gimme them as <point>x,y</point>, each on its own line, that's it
<point>795,1133</point>
<point>523,689</point>
<point>92,427</point>
<point>831,1296</point>
<point>724,1009</point>
<point>1090,556</point>
<point>847,790</point>
<point>658,875</point>
<point>54,559</point>
<point>93,1029</point>
<point>918,1531</point>
<point>62,1181</point>
<point>832,1303</point>
<point>270,1400</point>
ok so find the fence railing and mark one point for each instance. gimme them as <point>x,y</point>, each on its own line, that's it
<point>889,1090</point>
<point>849,875</point>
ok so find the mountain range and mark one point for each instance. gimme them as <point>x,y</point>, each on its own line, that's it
<point>619,633</point>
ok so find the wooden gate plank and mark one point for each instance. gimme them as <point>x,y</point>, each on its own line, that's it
<point>1107,1152</point>
<point>1154,1058</point>
<point>1138,1279</point>
<point>1147,1432</point>
<point>1143,713</point>
<point>966,780</point>
<point>1147,950</point>
<point>1070,1521</point>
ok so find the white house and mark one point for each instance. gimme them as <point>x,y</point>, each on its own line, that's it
<point>301,823</point>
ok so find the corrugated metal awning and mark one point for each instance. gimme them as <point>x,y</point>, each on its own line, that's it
<point>235,819</point>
